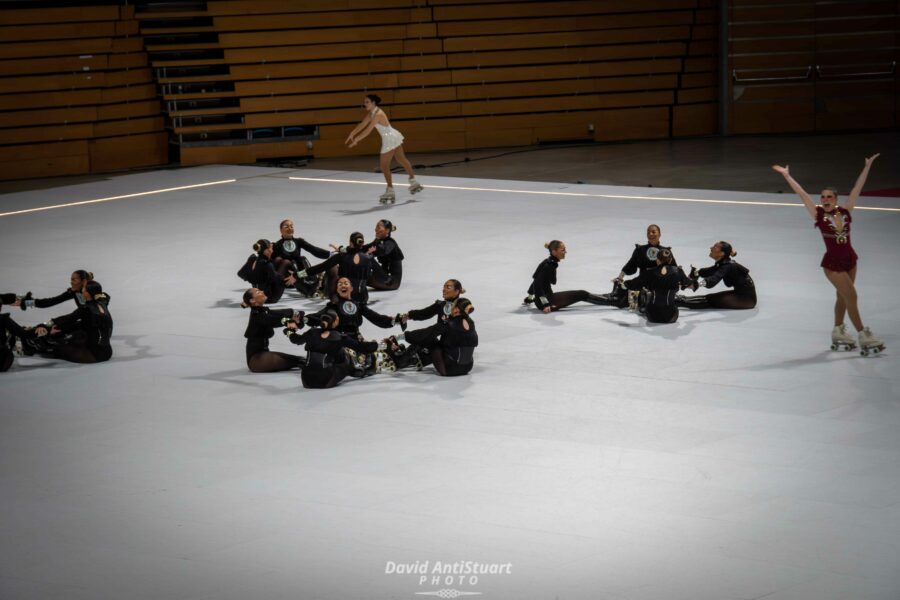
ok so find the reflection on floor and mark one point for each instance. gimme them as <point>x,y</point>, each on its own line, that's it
<point>730,455</point>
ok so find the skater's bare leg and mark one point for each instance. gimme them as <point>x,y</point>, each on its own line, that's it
<point>386,167</point>
<point>401,158</point>
<point>840,307</point>
<point>846,291</point>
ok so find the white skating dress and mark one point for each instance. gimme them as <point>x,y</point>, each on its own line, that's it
<point>390,137</point>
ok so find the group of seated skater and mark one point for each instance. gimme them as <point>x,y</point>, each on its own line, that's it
<point>81,336</point>
<point>654,291</point>
<point>335,348</point>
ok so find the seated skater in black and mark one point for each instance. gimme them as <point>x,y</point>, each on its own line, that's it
<point>351,262</point>
<point>76,284</point>
<point>327,358</point>
<point>449,345</point>
<point>541,291</point>
<point>643,259</point>
<point>439,308</point>
<point>260,271</point>
<point>82,336</point>
<point>261,327</point>
<point>742,297</point>
<point>658,288</point>
<point>289,249</point>
<point>351,311</point>
<point>388,268</point>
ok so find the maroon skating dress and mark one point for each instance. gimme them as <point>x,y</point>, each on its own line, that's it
<point>839,254</point>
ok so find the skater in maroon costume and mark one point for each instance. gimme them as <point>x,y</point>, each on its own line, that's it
<point>839,262</point>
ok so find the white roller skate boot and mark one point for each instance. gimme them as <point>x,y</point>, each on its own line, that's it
<point>869,343</point>
<point>414,186</point>
<point>388,197</point>
<point>841,340</point>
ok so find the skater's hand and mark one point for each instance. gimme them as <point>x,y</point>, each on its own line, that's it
<point>871,159</point>
<point>55,330</point>
<point>353,142</point>
<point>18,301</point>
<point>785,170</point>
<point>404,318</point>
<point>40,330</point>
<point>371,250</point>
<point>349,138</point>
<point>290,280</point>
<point>548,309</point>
<point>292,326</point>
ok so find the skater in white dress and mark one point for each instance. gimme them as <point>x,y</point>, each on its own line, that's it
<point>391,146</point>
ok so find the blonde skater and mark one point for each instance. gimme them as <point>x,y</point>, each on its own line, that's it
<point>391,146</point>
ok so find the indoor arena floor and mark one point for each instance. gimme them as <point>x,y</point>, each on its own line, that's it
<point>728,456</point>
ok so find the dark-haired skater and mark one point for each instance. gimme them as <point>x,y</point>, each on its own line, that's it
<point>260,271</point>
<point>261,328</point>
<point>388,268</point>
<point>289,249</point>
<point>732,273</point>
<point>643,259</point>
<point>327,359</point>
<point>351,262</point>
<point>439,308</point>
<point>658,288</point>
<point>352,311</point>
<point>541,291</point>
<point>449,345</point>
<point>391,146</point>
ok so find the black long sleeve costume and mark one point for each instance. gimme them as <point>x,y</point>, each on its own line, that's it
<point>736,275</point>
<point>260,272</point>
<point>543,280</point>
<point>659,306</point>
<point>354,265</point>
<point>449,345</point>
<point>351,313</point>
<point>439,308</point>
<point>388,268</point>
<point>260,329</point>
<point>643,259</point>
<point>326,360</point>
<point>290,249</point>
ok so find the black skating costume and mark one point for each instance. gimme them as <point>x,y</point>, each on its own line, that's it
<point>449,346</point>
<point>742,297</point>
<point>351,313</point>
<point>440,309</point>
<point>260,272</point>
<point>351,263</point>
<point>327,362</point>
<point>542,288</point>
<point>643,259</point>
<point>388,268</point>
<point>658,300</point>
<point>290,249</point>
<point>261,328</point>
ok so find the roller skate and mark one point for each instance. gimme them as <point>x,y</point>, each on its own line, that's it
<point>634,297</point>
<point>869,343</point>
<point>840,340</point>
<point>384,362</point>
<point>388,197</point>
<point>414,186</point>
<point>529,299</point>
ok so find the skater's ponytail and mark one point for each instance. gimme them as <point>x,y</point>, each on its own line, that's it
<point>375,98</point>
<point>664,256</point>
<point>84,275</point>
<point>553,245</point>
<point>327,319</point>
<point>465,306</point>
<point>261,246</point>
<point>727,249</point>
<point>388,225</point>
<point>357,240</point>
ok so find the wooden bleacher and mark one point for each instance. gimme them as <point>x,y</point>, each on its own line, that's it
<point>453,74</point>
<point>76,93</point>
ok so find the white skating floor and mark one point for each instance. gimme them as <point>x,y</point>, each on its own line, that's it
<point>729,456</point>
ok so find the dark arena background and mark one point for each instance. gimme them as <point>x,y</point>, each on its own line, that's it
<point>587,452</point>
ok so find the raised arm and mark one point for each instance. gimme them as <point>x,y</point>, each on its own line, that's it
<point>860,182</point>
<point>807,201</point>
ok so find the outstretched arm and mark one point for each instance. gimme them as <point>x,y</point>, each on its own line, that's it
<point>358,128</point>
<point>860,182</point>
<point>807,201</point>
<point>365,132</point>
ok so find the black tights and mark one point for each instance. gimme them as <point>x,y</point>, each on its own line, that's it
<point>271,362</point>
<point>381,281</point>
<point>324,378</point>
<point>729,300</point>
<point>563,299</point>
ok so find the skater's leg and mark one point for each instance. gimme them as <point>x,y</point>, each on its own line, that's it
<point>400,155</point>
<point>439,361</point>
<point>271,362</point>
<point>380,280</point>
<point>564,299</point>
<point>731,300</point>
<point>840,307</point>
<point>386,167</point>
<point>847,291</point>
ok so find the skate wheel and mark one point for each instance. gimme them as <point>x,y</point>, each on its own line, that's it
<point>864,352</point>
<point>834,347</point>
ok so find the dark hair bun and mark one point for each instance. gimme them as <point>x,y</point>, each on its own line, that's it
<point>261,245</point>
<point>375,98</point>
